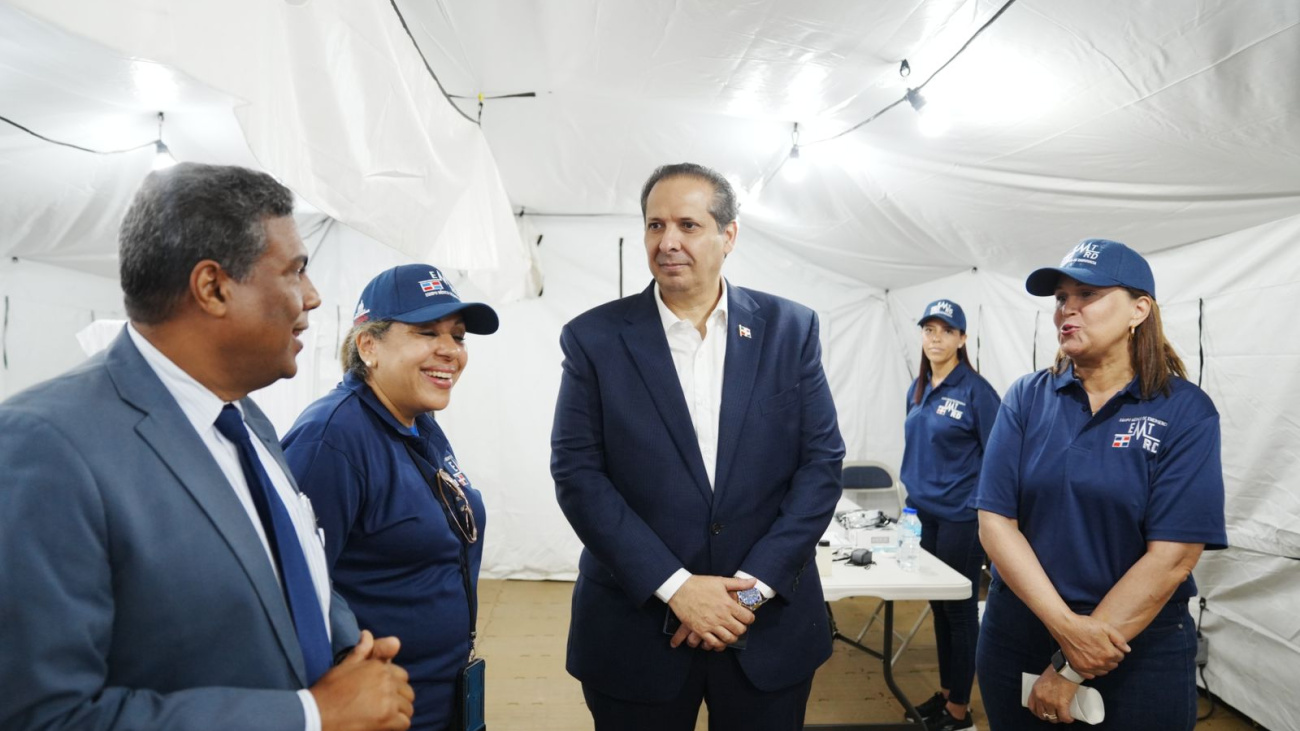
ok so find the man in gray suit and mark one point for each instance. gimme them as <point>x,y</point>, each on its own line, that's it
<point>159,568</point>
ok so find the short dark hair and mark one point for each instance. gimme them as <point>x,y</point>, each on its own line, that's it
<point>185,214</point>
<point>724,207</point>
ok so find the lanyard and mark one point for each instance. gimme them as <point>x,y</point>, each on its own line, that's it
<point>429,472</point>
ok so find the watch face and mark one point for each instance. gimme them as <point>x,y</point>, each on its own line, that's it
<point>750,597</point>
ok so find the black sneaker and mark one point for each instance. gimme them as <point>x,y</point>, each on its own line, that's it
<point>943,721</point>
<point>930,708</point>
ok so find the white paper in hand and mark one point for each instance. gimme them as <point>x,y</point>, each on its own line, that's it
<point>1086,706</point>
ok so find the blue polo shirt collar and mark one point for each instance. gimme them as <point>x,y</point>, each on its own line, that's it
<point>957,376</point>
<point>1066,379</point>
<point>368,397</point>
<point>952,380</point>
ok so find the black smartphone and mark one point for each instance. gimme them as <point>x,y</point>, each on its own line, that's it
<point>473,681</point>
<point>672,623</point>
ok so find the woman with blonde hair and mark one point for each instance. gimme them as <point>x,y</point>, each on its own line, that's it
<point>403,525</point>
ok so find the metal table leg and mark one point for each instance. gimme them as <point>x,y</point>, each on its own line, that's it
<point>885,656</point>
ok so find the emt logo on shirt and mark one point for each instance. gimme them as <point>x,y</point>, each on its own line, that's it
<point>455,471</point>
<point>951,407</point>
<point>1143,430</point>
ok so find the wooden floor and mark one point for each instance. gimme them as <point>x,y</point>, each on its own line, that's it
<point>523,626</point>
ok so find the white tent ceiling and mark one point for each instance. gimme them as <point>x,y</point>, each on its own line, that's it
<point>1158,123</point>
<point>1171,125</point>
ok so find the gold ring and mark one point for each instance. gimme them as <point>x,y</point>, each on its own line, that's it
<point>1049,716</point>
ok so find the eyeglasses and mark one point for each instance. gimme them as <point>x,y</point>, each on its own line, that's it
<point>453,497</point>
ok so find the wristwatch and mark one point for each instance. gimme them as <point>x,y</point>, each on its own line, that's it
<point>1063,668</point>
<point>751,598</point>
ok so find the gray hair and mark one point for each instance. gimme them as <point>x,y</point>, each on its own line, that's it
<point>723,208</point>
<point>350,355</point>
<point>184,215</point>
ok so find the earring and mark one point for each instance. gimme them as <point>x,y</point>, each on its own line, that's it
<point>1132,330</point>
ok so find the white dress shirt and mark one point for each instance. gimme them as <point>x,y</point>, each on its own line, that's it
<point>699,362</point>
<point>202,407</point>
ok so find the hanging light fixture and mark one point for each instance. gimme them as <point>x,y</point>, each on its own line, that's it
<point>795,168</point>
<point>931,122</point>
<point>162,158</point>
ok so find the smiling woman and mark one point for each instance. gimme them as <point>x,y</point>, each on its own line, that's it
<point>402,522</point>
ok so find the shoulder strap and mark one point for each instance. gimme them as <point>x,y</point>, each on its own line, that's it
<point>429,472</point>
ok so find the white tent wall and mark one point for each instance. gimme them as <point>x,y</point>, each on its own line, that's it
<point>44,307</point>
<point>1247,285</point>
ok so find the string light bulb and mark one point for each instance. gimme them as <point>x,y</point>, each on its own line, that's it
<point>931,122</point>
<point>162,157</point>
<point>905,69</point>
<point>795,167</point>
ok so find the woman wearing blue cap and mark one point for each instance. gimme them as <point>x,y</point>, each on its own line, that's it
<point>1101,486</point>
<point>950,413</point>
<point>403,526</point>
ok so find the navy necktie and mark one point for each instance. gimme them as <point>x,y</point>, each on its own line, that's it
<point>308,621</point>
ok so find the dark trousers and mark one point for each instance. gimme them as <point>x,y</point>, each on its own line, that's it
<point>1153,689</point>
<point>956,623</point>
<point>717,680</point>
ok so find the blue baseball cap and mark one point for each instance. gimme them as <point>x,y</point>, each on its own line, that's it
<point>1099,262</point>
<point>415,293</point>
<point>946,310</point>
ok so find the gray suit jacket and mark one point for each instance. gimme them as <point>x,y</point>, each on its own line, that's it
<point>136,593</point>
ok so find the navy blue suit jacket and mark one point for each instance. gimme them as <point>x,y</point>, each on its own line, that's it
<point>631,481</point>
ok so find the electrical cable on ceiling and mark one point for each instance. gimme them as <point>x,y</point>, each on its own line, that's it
<point>427,67</point>
<point>151,143</point>
<point>913,94</point>
<point>481,98</point>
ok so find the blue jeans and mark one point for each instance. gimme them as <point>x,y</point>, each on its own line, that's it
<point>1153,689</point>
<point>956,623</point>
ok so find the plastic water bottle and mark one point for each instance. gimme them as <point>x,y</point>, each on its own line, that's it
<point>909,539</point>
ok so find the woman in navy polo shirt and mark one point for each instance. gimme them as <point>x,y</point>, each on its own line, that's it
<point>403,526</point>
<point>1101,486</point>
<point>950,413</point>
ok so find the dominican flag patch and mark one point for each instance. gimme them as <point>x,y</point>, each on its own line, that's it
<point>744,332</point>
<point>432,285</point>
<point>1122,440</point>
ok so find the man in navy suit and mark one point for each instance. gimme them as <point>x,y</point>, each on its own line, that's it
<point>160,570</point>
<point>697,455</point>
